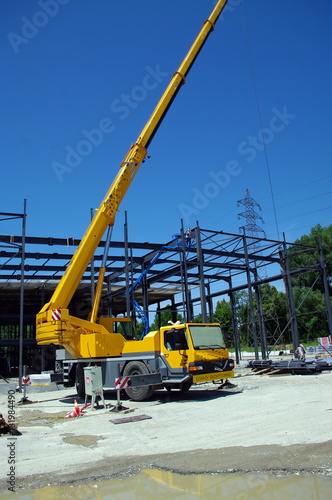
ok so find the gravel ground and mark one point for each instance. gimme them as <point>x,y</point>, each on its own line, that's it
<point>275,423</point>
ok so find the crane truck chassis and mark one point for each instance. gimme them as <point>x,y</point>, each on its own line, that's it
<point>175,356</point>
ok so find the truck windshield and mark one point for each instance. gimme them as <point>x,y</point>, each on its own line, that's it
<point>207,336</point>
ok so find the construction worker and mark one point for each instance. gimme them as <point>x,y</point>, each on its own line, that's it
<point>188,236</point>
<point>300,353</point>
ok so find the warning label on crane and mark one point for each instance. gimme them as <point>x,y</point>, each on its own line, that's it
<point>56,314</point>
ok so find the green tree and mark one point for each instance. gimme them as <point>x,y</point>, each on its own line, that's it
<point>163,318</point>
<point>275,313</point>
<point>139,328</point>
<point>223,314</point>
<point>241,300</point>
<point>311,314</point>
<point>274,305</point>
<point>302,259</point>
<point>308,287</point>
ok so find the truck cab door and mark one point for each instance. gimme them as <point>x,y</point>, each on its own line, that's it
<point>175,347</point>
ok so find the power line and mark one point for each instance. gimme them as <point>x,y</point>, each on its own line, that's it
<point>301,215</point>
<point>301,200</point>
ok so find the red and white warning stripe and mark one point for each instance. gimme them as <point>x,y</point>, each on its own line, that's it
<point>26,380</point>
<point>122,382</point>
<point>56,314</point>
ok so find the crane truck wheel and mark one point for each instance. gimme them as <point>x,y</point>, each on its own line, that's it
<point>79,380</point>
<point>137,393</point>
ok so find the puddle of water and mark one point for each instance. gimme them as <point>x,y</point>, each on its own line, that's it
<point>151,484</point>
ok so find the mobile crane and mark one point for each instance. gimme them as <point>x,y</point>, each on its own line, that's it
<point>174,356</point>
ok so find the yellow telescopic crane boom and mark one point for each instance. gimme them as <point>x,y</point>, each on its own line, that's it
<point>105,215</point>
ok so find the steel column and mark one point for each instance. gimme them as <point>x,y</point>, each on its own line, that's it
<point>200,259</point>
<point>173,310</point>
<point>326,289</point>
<point>20,362</point>
<point>209,303</point>
<point>289,293</point>
<point>128,308</point>
<point>251,302</point>
<point>261,323</point>
<point>145,298</point>
<point>92,268</point>
<point>234,323</point>
<point>184,279</point>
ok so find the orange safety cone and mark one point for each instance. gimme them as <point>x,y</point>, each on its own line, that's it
<point>76,412</point>
<point>70,415</point>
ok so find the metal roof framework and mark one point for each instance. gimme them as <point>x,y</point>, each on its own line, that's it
<point>215,257</point>
<point>212,265</point>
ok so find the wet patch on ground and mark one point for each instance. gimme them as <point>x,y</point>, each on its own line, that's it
<point>87,440</point>
<point>38,418</point>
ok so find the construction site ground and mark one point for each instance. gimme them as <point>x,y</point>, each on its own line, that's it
<point>280,424</point>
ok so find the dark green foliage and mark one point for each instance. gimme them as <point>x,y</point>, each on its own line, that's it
<point>303,259</point>
<point>223,315</point>
<point>311,314</point>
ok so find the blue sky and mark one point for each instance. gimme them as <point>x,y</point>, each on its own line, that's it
<point>80,79</point>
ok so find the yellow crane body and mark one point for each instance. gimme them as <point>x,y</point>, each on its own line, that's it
<point>65,330</point>
<point>97,338</point>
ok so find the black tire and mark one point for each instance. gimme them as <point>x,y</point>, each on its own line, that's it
<point>79,380</point>
<point>137,393</point>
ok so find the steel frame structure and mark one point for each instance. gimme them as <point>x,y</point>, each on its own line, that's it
<point>186,277</point>
<point>21,251</point>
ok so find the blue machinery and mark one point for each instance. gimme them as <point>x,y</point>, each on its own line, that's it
<point>138,309</point>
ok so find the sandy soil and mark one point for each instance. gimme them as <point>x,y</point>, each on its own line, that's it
<point>280,424</point>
